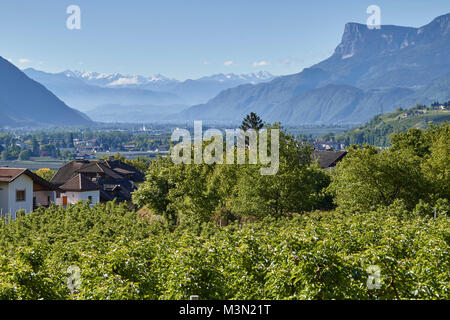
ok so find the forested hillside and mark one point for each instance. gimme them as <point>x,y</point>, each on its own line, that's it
<point>380,129</point>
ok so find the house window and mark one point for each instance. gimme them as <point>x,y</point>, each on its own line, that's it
<point>20,195</point>
<point>48,199</point>
<point>90,198</point>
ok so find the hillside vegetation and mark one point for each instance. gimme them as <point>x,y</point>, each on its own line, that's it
<point>380,129</point>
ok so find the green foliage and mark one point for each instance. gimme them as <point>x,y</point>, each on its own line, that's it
<point>11,153</point>
<point>252,121</point>
<point>317,256</point>
<point>297,187</point>
<point>380,131</point>
<point>414,140</point>
<point>25,155</point>
<point>196,193</point>
<point>49,150</point>
<point>367,178</point>
<point>415,168</point>
<point>46,173</point>
<point>66,154</point>
<point>436,164</point>
<point>393,212</point>
<point>155,191</point>
<point>34,147</point>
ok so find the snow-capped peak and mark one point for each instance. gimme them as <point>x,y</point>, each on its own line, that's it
<point>118,80</point>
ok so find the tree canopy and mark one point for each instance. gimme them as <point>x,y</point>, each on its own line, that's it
<point>252,121</point>
<point>415,168</point>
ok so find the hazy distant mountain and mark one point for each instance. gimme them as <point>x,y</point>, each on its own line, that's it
<point>159,82</point>
<point>119,80</point>
<point>369,70</point>
<point>436,90</point>
<point>92,91</point>
<point>206,88</point>
<point>190,91</point>
<point>24,102</point>
<point>81,94</point>
<point>203,89</point>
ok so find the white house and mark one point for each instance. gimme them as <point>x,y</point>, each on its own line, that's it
<point>21,189</point>
<point>76,189</point>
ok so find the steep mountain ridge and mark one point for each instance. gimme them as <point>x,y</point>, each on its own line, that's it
<point>391,56</point>
<point>24,102</point>
<point>384,67</point>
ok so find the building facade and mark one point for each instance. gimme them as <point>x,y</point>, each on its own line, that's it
<point>21,189</point>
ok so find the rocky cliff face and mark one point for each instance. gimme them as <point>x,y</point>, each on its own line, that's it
<point>437,30</point>
<point>369,68</point>
<point>358,40</point>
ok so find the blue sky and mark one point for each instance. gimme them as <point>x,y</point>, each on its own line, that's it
<point>190,38</point>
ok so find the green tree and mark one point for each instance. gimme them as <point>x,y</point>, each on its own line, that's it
<point>25,155</point>
<point>297,187</point>
<point>14,151</point>
<point>436,164</point>
<point>49,150</point>
<point>252,121</point>
<point>154,192</point>
<point>66,154</point>
<point>414,140</point>
<point>330,136</point>
<point>35,149</point>
<point>6,155</point>
<point>140,163</point>
<point>46,173</point>
<point>366,179</point>
<point>201,192</point>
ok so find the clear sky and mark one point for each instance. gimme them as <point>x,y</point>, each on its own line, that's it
<point>190,38</point>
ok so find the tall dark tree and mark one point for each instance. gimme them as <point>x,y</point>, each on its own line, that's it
<point>252,121</point>
<point>34,147</point>
<point>70,141</point>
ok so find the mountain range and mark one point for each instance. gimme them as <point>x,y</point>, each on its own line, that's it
<point>82,94</point>
<point>93,91</point>
<point>25,102</point>
<point>370,71</point>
